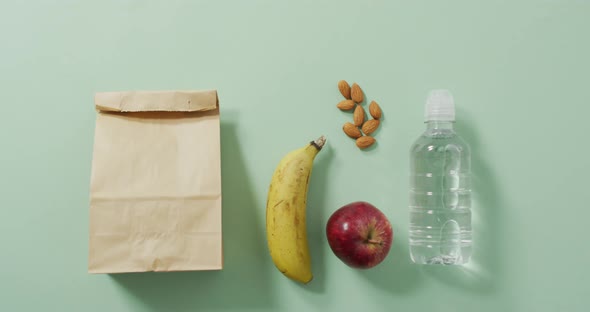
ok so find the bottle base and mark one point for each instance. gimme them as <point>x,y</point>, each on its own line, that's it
<point>441,260</point>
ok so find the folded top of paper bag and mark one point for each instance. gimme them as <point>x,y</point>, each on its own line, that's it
<point>167,101</point>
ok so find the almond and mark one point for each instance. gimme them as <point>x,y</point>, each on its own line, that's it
<point>358,116</point>
<point>364,142</point>
<point>344,89</point>
<point>375,110</point>
<point>356,93</point>
<point>351,130</point>
<point>346,105</point>
<point>370,126</point>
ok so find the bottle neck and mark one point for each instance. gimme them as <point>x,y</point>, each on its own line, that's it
<point>440,125</point>
<point>439,129</point>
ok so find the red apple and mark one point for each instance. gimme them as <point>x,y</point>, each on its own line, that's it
<point>359,234</point>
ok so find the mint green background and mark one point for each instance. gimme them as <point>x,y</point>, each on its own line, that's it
<point>519,71</point>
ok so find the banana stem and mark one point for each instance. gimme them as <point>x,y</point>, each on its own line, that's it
<point>319,142</point>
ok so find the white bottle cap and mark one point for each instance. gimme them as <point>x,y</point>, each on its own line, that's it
<point>440,106</point>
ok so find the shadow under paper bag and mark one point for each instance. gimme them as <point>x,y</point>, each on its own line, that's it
<point>246,265</point>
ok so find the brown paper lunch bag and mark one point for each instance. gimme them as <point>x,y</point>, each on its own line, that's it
<point>155,189</point>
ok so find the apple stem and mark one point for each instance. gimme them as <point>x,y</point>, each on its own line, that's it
<point>372,241</point>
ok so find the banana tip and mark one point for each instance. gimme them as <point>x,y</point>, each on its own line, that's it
<point>319,142</point>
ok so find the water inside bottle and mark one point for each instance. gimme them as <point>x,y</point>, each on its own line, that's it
<point>440,200</point>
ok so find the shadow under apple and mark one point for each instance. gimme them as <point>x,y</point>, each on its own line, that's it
<point>396,273</point>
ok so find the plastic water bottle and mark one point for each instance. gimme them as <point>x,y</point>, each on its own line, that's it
<point>440,194</point>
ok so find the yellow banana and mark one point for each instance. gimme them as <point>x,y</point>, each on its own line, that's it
<point>286,230</point>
